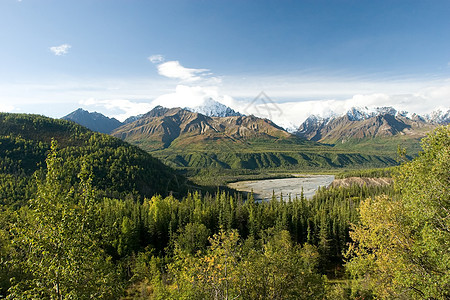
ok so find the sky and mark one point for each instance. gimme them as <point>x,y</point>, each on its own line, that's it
<point>278,59</point>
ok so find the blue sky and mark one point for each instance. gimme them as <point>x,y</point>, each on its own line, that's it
<point>56,56</point>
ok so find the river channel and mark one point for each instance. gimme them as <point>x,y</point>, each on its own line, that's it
<point>263,189</point>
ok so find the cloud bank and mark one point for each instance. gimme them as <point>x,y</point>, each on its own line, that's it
<point>285,99</point>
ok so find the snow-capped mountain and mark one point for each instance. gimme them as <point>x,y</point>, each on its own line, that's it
<point>363,113</point>
<point>368,123</point>
<point>212,108</point>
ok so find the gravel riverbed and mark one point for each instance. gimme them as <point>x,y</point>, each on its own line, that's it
<point>263,189</point>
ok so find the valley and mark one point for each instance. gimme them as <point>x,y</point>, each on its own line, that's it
<point>217,138</point>
<point>191,141</point>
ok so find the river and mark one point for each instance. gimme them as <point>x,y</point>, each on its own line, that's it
<point>263,189</point>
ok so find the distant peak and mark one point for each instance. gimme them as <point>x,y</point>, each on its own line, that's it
<point>93,120</point>
<point>157,111</point>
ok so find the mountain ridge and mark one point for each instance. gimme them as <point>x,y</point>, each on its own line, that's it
<point>193,141</point>
<point>359,123</point>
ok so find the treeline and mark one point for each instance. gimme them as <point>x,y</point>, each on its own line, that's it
<point>371,173</point>
<point>323,221</point>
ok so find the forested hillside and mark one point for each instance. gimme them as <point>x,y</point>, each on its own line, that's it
<point>116,167</point>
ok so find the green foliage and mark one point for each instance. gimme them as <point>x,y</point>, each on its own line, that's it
<point>401,245</point>
<point>192,238</point>
<point>276,269</point>
<point>56,244</point>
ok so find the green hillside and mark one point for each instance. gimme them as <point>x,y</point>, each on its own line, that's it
<point>117,167</point>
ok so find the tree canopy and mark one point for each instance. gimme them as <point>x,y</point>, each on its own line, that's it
<point>402,244</point>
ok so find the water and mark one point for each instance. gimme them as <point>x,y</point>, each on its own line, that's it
<point>263,189</point>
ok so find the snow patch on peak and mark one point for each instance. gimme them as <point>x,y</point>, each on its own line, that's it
<point>386,110</point>
<point>363,113</point>
<point>358,113</point>
<point>212,108</point>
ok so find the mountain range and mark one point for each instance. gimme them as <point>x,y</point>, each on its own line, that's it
<point>214,135</point>
<point>103,124</point>
<point>378,130</point>
<point>186,139</point>
<point>313,128</point>
<point>364,123</point>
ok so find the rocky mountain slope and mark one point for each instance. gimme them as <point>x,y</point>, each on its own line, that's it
<point>359,124</point>
<point>163,127</point>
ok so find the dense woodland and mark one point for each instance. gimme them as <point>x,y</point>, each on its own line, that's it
<point>86,216</point>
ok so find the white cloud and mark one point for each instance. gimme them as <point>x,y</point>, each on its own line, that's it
<point>157,58</point>
<point>173,69</point>
<point>61,49</point>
